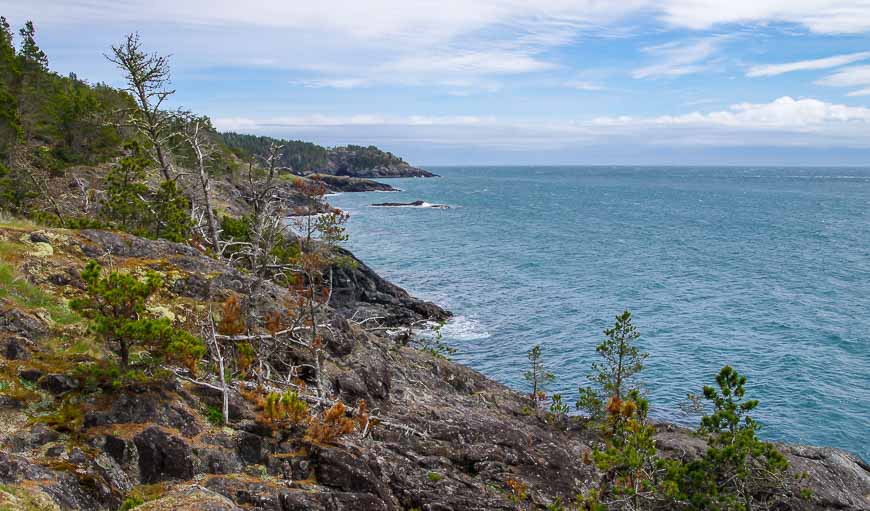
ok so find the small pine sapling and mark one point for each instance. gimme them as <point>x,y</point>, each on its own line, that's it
<point>537,376</point>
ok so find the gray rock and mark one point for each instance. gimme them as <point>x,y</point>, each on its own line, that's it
<point>58,383</point>
<point>162,456</point>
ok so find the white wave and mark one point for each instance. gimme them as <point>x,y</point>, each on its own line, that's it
<point>463,328</point>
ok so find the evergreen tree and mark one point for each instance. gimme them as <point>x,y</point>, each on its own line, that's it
<point>537,376</point>
<point>614,378</point>
<point>33,59</point>
<point>738,471</point>
<point>172,218</point>
<point>133,207</point>
<point>125,190</point>
<point>10,126</point>
<point>116,305</point>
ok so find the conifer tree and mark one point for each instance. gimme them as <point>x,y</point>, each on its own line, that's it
<point>115,303</point>
<point>738,471</point>
<point>33,59</point>
<point>537,376</point>
<point>615,377</point>
<point>148,81</point>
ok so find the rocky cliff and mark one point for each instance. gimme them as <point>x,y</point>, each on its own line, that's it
<point>442,436</point>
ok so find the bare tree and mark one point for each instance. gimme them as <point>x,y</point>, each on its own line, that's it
<point>196,134</point>
<point>148,81</point>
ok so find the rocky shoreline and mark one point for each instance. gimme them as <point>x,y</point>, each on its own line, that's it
<point>446,437</point>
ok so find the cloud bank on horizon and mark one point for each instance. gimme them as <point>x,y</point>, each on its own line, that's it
<point>497,81</point>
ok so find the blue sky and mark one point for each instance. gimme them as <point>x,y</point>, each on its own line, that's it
<point>505,82</point>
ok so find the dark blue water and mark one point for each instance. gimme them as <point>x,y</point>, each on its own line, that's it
<point>764,269</point>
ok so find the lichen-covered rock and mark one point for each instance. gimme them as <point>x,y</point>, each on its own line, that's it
<point>15,348</point>
<point>191,498</point>
<point>160,407</point>
<point>58,383</point>
<point>16,321</point>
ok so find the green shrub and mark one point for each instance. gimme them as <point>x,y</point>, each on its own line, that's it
<point>115,304</point>
<point>214,415</point>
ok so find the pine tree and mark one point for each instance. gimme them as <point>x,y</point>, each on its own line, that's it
<point>738,471</point>
<point>33,59</point>
<point>537,376</point>
<point>125,190</point>
<point>115,303</point>
<point>10,125</point>
<point>614,378</point>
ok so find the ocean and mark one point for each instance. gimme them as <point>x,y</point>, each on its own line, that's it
<point>765,269</point>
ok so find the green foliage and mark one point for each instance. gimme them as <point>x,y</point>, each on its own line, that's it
<point>629,457</point>
<point>738,471</point>
<point>67,418</point>
<point>125,189</point>
<point>171,219</point>
<point>23,293</point>
<point>133,207</point>
<point>214,415</point>
<point>285,409</point>
<point>558,411</point>
<point>32,58</point>
<point>615,376</point>
<point>131,502</point>
<point>368,157</point>
<point>115,303</point>
<point>434,476</point>
<point>15,189</point>
<point>537,376</point>
<point>297,155</point>
<point>48,120</point>
<point>305,157</point>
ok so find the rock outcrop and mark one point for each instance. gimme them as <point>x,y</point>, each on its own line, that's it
<point>446,437</point>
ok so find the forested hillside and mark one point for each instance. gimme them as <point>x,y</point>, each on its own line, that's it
<point>305,157</point>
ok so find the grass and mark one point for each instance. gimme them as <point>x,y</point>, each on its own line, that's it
<point>28,296</point>
<point>434,476</point>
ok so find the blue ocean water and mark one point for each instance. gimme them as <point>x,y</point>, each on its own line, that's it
<point>766,269</point>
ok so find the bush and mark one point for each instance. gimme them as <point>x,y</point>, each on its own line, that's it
<point>738,470</point>
<point>116,306</point>
<point>332,424</point>
<point>286,409</point>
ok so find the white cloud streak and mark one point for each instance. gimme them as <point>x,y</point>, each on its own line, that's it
<point>855,76</point>
<point>782,122</point>
<point>807,65</point>
<point>678,59</point>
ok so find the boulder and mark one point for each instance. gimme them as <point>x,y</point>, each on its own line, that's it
<point>162,456</point>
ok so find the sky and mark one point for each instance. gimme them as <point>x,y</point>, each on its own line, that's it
<point>474,82</point>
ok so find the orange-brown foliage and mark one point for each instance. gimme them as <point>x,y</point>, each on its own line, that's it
<point>330,425</point>
<point>231,322</point>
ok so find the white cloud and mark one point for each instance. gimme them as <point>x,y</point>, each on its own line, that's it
<point>332,83</point>
<point>319,121</point>
<point>855,76</point>
<point>821,16</point>
<point>849,77</point>
<point>807,65</point>
<point>681,58</point>
<point>782,122</point>
<point>584,86</point>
